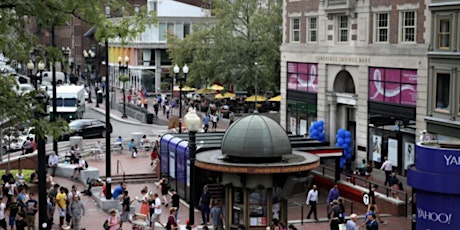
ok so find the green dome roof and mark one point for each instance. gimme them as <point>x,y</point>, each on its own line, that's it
<point>255,136</point>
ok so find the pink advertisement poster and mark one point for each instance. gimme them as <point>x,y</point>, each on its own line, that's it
<point>395,86</point>
<point>303,77</point>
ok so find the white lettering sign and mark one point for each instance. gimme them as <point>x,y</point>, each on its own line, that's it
<point>452,160</point>
<point>442,218</point>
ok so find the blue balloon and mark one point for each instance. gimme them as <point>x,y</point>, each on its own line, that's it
<point>348,140</point>
<point>321,128</point>
<point>337,145</point>
<point>340,141</point>
<point>321,135</point>
<point>321,122</point>
<point>349,149</point>
<point>314,133</point>
<point>347,134</point>
<point>342,162</point>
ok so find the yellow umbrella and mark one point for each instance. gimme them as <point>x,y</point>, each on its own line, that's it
<point>184,88</point>
<point>255,98</point>
<point>225,95</point>
<point>216,87</point>
<point>204,90</point>
<point>276,98</point>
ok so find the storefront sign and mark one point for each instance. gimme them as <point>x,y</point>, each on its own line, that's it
<point>396,86</point>
<point>437,211</point>
<point>432,159</point>
<point>344,59</point>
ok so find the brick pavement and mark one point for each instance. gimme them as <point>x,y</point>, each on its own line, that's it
<point>95,217</point>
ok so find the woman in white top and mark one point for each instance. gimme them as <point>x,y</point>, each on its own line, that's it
<point>20,178</point>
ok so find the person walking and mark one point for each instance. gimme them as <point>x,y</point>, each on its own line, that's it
<point>2,214</point>
<point>205,204</point>
<point>214,118</point>
<point>13,208</point>
<point>77,210</point>
<point>61,198</point>
<point>372,223</point>
<point>31,211</point>
<point>373,203</point>
<point>126,208</point>
<point>175,201</point>
<point>217,216</point>
<point>334,215</point>
<point>334,194</point>
<point>164,186</point>
<point>171,224</point>
<point>157,211</point>
<point>388,168</point>
<point>312,200</point>
<point>351,223</point>
<point>112,221</point>
<point>206,120</point>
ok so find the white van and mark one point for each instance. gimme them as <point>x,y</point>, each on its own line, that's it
<point>48,76</point>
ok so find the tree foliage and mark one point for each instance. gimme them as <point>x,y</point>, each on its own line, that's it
<point>22,21</point>
<point>243,33</point>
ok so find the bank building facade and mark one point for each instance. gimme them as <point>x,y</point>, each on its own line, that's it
<point>358,65</point>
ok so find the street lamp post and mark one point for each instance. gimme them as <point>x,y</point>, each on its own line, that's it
<point>41,100</point>
<point>193,124</point>
<point>30,67</point>
<point>65,53</point>
<point>41,67</point>
<point>181,80</point>
<point>89,55</point>
<point>123,69</point>
<point>256,89</point>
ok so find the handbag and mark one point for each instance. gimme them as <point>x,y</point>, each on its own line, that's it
<point>106,224</point>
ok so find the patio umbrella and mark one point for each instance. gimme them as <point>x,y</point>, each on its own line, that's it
<point>255,98</point>
<point>225,95</point>
<point>216,87</point>
<point>204,90</point>
<point>276,98</point>
<point>184,88</point>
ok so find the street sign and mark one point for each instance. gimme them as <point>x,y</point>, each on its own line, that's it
<point>365,199</point>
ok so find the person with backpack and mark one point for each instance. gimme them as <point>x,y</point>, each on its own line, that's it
<point>335,215</point>
<point>82,164</point>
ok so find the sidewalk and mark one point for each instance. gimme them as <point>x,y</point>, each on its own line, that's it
<point>222,124</point>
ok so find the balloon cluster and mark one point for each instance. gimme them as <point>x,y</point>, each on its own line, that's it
<point>317,131</point>
<point>343,138</point>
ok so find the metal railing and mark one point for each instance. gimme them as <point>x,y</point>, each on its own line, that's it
<point>119,166</point>
<point>349,205</point>
<point>353,178</point>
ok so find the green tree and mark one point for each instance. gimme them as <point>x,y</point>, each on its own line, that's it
<point>243,32</point>
<point>22,21</point>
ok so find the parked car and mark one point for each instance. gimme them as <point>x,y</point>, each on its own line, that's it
<point>88,128</point>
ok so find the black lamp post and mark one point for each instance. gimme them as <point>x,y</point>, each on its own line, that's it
<point>41,67</point>
<point>42,101</point>
<point>180,80</point>
<point>193,124</point>
<point>30,67</point>
<point>65,53</point>
<point>89,55</point>
<point>123,70</point>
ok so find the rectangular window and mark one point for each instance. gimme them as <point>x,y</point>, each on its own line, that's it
<point>312,29</point>
<point>444,34</point>
<point>382,27</point>
<point>342,26</point>
<point>186,29</point>
<point>442,91</point>
<point>295,30</point>
<point>136,9</point>
<point>162,32</point>
<point>408,26</point>
<point>152,6</point>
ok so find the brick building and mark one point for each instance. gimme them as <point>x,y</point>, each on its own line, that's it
<point>358,65</point>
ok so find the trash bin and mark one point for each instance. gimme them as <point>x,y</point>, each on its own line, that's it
<point>149,118</point>
<point>99,96</point>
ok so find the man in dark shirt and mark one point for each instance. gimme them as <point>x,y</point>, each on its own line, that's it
<point>126,209</point>
<point>373,203</point>
<point>205,203</point>
<point>20,222</point>
<point>175,199</point>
